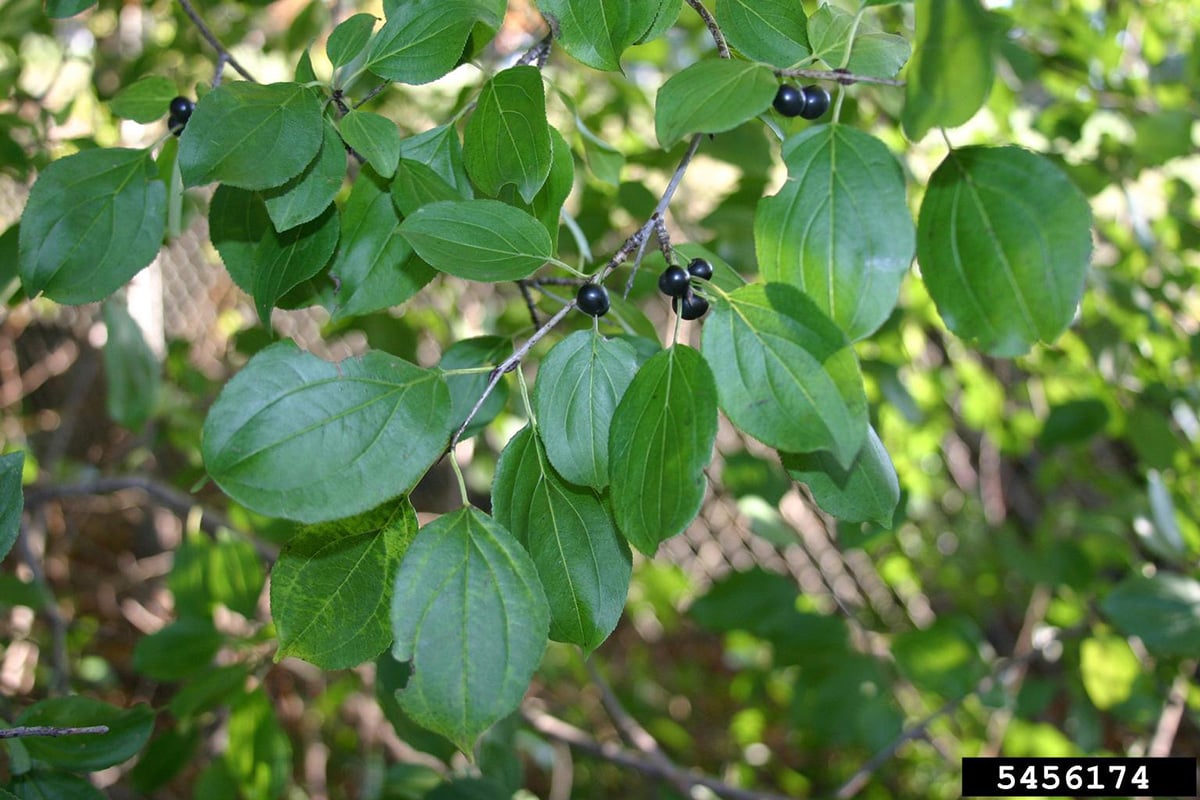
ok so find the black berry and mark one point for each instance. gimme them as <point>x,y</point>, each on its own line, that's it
<point>181,108</point>
<point>816,102</point>
<point>789,101</point>
<point>176,125</point>
<point>674,282</point>
<point>692,306</point>
<point>592,299</point>
<point>700,268</point>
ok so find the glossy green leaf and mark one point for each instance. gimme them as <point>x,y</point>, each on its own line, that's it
<point>283,261</point>
<point>92,221</point>
<point>44,785</point>
<point>349,39</point>
<point>1163,611</point>
<point>579,383</point>
<point>712,96</point>
<point>128,731</point>
<point>251,135</point>
<point>839,229</point>
<point>583,562</point>
<point>145,100</point>
<point>418,185</point>
<point>465,390</point>
<point>12,499</point>
<point>297,437</point>
<point>237,223</point>
<point>470,614</point>
<point>184,648</point>
<point>337,571</point>
<point>258,754</point>
<point>950,74</point>
<point>872,52</point>
<point>596,32</point>
<point>659,443</point>
<point>421,40</point>
<point>375,138</point>
<point>785,373</point>
<point>306,196</point>
<point>373,262</point>
<point>1109,669</point>
<point>440,150</point>
<point>480,240</point>
<point>867,490</point>
<point>771,31</point>
<point>132,375</point>
<point>1004,242</point>
<point>507,138</point>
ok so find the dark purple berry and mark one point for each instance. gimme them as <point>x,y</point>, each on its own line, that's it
<point>592,299</point>
<point>181,108</point>
<point>674,282</point>
<point>789,101</point>
<point>816,102</point>
<point>692,306</point>
<point>700,268</point>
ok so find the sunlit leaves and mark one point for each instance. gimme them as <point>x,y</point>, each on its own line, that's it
<point>839,229</point>
<point>421,40</point>
<point>660,441</point>
<point>297,437</point>
<point>481,240</point>
<point>1004,242</point>
<point>871,51</point>
<point>470,615</point>
<point>338,571</point>
<point>507,140</point>
<point>712,96</point>
<point>93,220</point>
<point>144,100</point>
<point>950,74</point>
<point>251,135</point>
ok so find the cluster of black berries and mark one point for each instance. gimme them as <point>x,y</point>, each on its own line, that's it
<point>810,102</point>
<point>181,112</point>
<point>676,283</point>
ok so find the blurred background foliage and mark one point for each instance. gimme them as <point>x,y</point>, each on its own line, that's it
<point>1036,596</point>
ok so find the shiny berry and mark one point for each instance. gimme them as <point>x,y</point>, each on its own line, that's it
<point>700,268</point>
<point>181,108</point>
<point>592,299</point>
<point>789,101</point>
<point>816,102</point>
<point>693,306</point>
<point>674,282</point>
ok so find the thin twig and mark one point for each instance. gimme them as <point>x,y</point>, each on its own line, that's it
<point>713,28</point>
<point>844,77</point>
<point>44,730</point>
<point>629,728</point>
<point>537,54</point>
<point>529,303</point>
<point>212,39</point>
<point>554,728</point>
<point>372,94</point>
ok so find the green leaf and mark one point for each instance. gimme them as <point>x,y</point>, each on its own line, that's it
<point>440,150</point>
<point>12,499</point>
<point>164,758</point>
<point>711,97</point>
<point>942,658</point>
<point>132,374</point>
<point>659,443</point>
<point>579,384</point>
<point>1163,611</point>
<point>950,74</point>
<point>470,614</point>
<point>375,138</point>
<point>548,203</point>
<point>145,100</point>
<point>128,731</point>
<point>772,31</point>
<point>421,40</point>
<point>867,490</point>
<point>259,753</point>
<point>43,785</point>
<point>877,53</point>
<point>337,571</point>
<point>872,51</point>
<point>61,9</point>
<point>93,220</point>
<point>251,135</point>
<point>297,437</point>
<point>390,678</point>
<point>465,390</point>
<point>596,32</point>
<point>235,575</point>
<point>417,185</point>
<point>306,196</point>
<point>507,138</point>
<point>583,563</point>
<point>1073,421</point>
<point>480,240</point>
<point>1004,242</point>
<point>785,373</point>
<point>184,648</point>
<point>839,229</point>
<point>237,223</point>
<point>349,39</point>
<point>656,16</point>
<point>1109,669</point>
<point>373,261</point>
<point>283,261</point>
<point>209,689</point>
